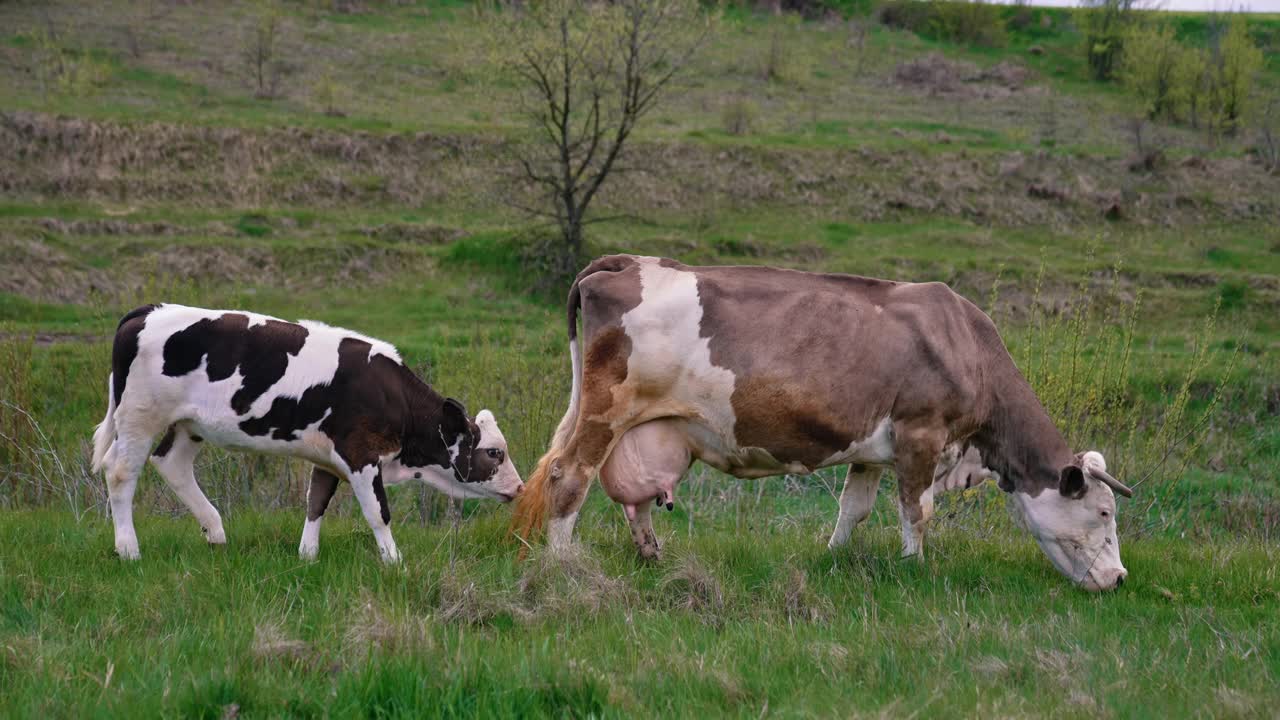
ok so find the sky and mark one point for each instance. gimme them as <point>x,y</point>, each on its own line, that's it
<point>1268,6</point>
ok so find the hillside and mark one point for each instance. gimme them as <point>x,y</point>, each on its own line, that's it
<point>1136,284</point>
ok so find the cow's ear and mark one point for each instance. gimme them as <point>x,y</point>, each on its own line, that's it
<point>453,416</point>
<point>1071,482</point>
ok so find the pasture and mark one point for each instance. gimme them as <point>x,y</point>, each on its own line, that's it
<point>1151,332</point>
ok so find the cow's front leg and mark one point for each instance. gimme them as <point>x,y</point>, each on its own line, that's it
<point>861,483</point>
<point>917,450</point>
<point>366,485</point>
<point>323,485</point>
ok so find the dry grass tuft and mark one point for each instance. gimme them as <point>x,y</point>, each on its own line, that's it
<point>693,587</point>
<point>466,603</point>
<point>271,643</point>
<point>372,629</point>
<point>568,581</point>
<point>800,603</point>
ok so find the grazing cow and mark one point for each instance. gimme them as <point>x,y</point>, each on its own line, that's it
<point>345,402</point>
<point>760,371</point>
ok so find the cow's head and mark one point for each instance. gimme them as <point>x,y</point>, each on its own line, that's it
<point>475,462</point>
<point>1075,523</point>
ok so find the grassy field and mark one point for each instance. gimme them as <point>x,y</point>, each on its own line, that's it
<point>1151,332</point>
<point>737,620</point>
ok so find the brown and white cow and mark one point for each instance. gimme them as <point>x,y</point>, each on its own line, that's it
<point>345,402</point>
<point>760,371</point>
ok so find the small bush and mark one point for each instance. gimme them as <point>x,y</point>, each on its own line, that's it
<point>1104,25</point>
<point>1234,62</point>
<point>330,95</point>
<point>778,64</point>
<point>1233,294</point>
<point>738,116</point>
<point>1155,70</point>
<point>969,22</point>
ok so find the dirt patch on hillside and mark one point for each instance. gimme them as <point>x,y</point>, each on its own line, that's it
<point>936,74</point>
<point>50,274</point>
<point>38,271</point>
<point>43,156</point>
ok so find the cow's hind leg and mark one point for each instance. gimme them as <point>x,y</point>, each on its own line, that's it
<point>319,493</point>
<point>128,455</point>
<point>861,483</point>
<point>640,518</point>
<point>174,458</point>
<point>645,465</point>
<point>917,449</point>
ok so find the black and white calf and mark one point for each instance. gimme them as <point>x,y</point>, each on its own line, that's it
<point>343,401</point>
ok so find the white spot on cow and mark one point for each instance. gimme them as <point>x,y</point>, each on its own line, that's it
<point>668,350</point>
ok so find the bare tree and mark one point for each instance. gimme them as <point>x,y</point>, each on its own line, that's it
<point>587,73</point>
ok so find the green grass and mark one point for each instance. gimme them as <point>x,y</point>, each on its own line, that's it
<point>749,614</point>
<point>980,627</point>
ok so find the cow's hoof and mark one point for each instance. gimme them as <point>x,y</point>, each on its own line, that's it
<point>308,553</point>
<point>650,553</point>
<point>128,550</point>
<point>391,557</point>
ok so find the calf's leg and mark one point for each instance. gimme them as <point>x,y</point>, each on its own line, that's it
<point>861,483</point>
<point>174,458</point>
<point>319,492</point>
<point>130,454</point>
<point>366,484</point>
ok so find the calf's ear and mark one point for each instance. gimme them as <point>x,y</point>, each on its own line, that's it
<point>453,415</point>
<point>1071,482</point>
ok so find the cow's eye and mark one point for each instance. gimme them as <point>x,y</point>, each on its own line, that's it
<point>494,453</point>
<point>1106,514</point>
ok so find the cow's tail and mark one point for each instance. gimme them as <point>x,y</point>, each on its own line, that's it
<point>105,433</point>
<point>530,512</point>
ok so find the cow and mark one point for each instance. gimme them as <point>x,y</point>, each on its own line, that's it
<point>344,402</point>
<point>760,371</point>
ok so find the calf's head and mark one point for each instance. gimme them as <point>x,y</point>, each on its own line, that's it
<point>1075,523</point>
<point>467,458</point>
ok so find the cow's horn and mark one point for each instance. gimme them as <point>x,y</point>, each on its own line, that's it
<point>1115,484</point>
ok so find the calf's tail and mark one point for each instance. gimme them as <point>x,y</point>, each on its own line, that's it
<point>105,434</point>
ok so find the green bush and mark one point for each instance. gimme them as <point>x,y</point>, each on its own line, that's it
<point>1155,67</point>
<point>1234,62</point>
<point>969,22</point>
<point>1104,24</point>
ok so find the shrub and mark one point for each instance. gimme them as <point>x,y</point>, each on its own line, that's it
<point>1104,24</point>
<point>1153,68</point>
<point>970,22</point>
<point>1234,62</point>
<point>738,116</point>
